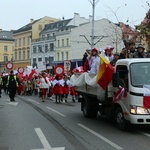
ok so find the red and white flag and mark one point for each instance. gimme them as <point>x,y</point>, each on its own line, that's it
<point>146,96</point>
<point>120,94</point>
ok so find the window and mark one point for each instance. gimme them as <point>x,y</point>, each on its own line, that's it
<point>58,43</point>
<point>5,48</point>
<point>52,47</point>
<point>34,60</point>
<point>15,55</point>
<point>34,49</point>
<point>51,59</point>
<point>53,34</point>
<point>19,42</point>
<point>46,48</point>
<point>140,74</point>
<point>43,36</point>
<point>5,58</point>
<point>19,55</point>
<point>39,48</point>
<point>29,40</point>
<point>123,76</point>
<point>24,41</point>
<point>39,59</point>
<point>62,54</point>
<point>48,37</point>
<point>67,56</point>
<point>24,55</point>
<point>62,42</point>
<point>40,27</point>
<point>28,54</point>
<point>67,41</point>
<point>58,56</point>
<point>15,43</point>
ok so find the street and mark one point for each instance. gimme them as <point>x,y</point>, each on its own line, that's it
<point>30,124</point>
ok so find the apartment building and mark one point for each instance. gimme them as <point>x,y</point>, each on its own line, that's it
<point>6,48</point>
<point>105,33</point>
<point>23,37</point>
<point>54,43</point>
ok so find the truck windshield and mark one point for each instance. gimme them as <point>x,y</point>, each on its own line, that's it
<point>140,74</point>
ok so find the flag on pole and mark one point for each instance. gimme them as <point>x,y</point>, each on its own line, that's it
<point>120,94</point>
<point>104,75</point>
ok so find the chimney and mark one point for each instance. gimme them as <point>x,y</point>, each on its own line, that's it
<point>31,20</point>
<point>90,18</point>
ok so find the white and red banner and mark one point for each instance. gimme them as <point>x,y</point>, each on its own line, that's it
<point>146,96</point>
<point>120,94</point>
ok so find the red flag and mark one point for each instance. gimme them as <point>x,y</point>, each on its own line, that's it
<point>146,96</point>
<point>146,101</point>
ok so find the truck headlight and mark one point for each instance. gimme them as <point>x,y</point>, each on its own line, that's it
<point>137,110</point>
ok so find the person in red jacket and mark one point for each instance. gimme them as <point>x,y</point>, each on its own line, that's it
<point>58,84</point>
<point>66,87</point>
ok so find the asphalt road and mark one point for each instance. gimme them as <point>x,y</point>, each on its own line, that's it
<point>30,124</point>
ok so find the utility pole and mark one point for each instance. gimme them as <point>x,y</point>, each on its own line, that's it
<point>93,3</point>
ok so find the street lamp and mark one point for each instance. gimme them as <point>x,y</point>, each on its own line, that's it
<point>93,3</point>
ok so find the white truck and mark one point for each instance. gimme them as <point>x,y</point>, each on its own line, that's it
<point>132,75</point>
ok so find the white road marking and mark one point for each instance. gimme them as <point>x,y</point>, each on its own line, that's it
<point>56,112</point>
<point>44,141</point>
<point>146,134</point>
<point>33,101</point>
<point>8,100</point>
<point>101,137</point>
<point>12,103</point>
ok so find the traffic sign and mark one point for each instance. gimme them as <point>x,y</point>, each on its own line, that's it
<point>9,66</point>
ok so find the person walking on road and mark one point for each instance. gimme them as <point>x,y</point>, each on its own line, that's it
<point>12,83</point>
<point>44,85</point>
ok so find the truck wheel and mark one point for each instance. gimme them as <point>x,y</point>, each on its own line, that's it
<point>87,112</point>
<point>119,119</point>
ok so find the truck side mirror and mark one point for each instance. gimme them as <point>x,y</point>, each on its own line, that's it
<point>115,79</point>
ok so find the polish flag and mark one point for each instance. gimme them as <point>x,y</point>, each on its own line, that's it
<point>146,96</point>
<point>120,94</point>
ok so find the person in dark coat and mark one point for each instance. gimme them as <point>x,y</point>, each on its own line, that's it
<point>12,83</point>
<point>140,52</point>
<point>123,54</point>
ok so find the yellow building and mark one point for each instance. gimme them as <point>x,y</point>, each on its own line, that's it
<point>6,48</point>
<point>23,38</point>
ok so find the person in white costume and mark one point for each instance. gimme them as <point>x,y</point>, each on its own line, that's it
<point>95,61</point>
<point>108,53</point>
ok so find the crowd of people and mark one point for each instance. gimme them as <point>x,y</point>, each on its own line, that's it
<point>91,57</point>
<point>43,85</point>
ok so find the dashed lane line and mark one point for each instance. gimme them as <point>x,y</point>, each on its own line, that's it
<point>33,101</point>
<point>101,137</point>
<point>56,112</point>
<point>146,134</point>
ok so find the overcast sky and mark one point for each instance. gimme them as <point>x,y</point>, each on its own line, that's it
<point>17,13</point>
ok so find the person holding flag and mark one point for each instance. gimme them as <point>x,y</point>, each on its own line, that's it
<point>95,61</point>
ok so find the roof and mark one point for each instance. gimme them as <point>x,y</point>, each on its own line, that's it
<point>6,36</point>
<point>26,27</point>
<point>60,25</point>
<point>128,61</point>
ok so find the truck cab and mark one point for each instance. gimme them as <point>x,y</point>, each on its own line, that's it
<point>135,73</point>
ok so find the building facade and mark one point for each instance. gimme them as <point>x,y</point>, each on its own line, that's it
<point>23,38</point>
<point>105,33</point>
<point>6,48</point>
<point>54,43</point>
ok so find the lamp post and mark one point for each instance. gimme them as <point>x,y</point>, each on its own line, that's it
<point>93,3</point>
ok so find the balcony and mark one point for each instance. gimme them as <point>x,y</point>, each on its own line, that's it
<point>44,39</point>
